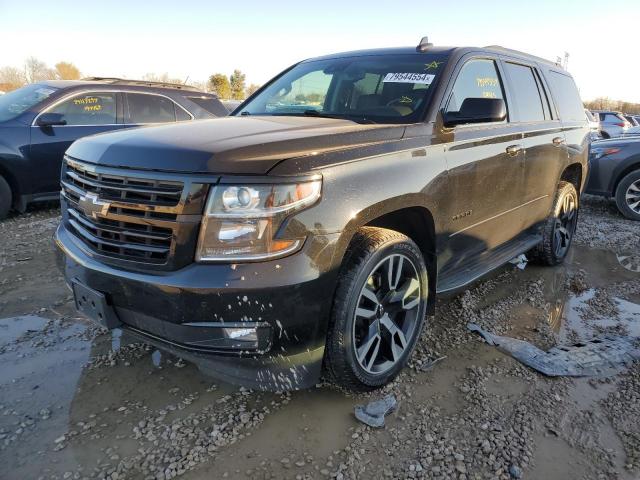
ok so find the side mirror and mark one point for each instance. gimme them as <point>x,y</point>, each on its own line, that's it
<point>51,119</point>
<point>476,110</point>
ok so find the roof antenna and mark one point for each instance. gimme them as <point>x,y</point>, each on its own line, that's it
<point>423,45</point>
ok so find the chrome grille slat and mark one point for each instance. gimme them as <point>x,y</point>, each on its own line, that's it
<point>158,193</point>
<point>131,228</point>
<point>125,187</point>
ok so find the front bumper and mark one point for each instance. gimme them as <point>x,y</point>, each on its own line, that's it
<point>201,312</point>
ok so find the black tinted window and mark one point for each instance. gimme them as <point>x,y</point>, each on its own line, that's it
<point>181,114</point>
<point>567,97</point>
<point>376,88</point>
<point>525,90</point>
<point>211,105</point>
<point>145,108</point>
<point>477,79</point>
<point>88,109</point>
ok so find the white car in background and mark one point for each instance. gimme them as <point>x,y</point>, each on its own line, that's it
<point>612,123</point>
<point>594,124</point>
<point>632,132</point>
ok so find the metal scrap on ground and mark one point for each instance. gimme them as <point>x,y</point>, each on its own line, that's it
<point>601,356</point>
<point>373,413</point>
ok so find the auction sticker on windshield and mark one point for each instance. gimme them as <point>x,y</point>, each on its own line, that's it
<point>423,78</point>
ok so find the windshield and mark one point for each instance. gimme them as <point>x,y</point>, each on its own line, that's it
<point>18,101</point>
<point>374,88</point>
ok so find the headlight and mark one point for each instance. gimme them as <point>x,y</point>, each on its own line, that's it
<point>241,221</point>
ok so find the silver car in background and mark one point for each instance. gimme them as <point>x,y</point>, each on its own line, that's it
<point>594,124</point>
<point>632,132</point>
<point>612,124</point>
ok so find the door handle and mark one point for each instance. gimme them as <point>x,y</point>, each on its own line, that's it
<point>513,150</point>
<point>558,141</point>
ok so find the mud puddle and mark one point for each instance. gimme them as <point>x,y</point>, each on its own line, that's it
<point>78,403</point>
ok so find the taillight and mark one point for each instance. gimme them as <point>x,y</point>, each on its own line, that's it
<point>621,124</point>
<point>599,152</point>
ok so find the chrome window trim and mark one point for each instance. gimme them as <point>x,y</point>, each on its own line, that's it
<point>93,90</point>
<point>157,95</point>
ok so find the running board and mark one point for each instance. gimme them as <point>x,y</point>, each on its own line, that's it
<point>480,265</point>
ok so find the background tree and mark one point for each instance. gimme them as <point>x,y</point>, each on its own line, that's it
<point>219,84</point>
<point>67,71</point>
<point>251,89</point>
<point>605,103</point>
<point>163,77</point>
<point>37,71</point>
<point>237,81</point>
<point>11,78</point>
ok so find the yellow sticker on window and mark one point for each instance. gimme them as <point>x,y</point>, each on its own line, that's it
<point>86,101</point>
<point>92,108</point>
<point>487,82</point>
<point>432,65</point>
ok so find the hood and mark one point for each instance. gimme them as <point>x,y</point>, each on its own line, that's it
<point>617,141</point>
<point>229,145</point>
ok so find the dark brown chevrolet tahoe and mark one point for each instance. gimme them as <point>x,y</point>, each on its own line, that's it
<point>309,232</point>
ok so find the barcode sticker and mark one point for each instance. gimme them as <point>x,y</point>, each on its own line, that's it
<point>423,78</point>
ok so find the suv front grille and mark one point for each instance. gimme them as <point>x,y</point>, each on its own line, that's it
<point>131,216</point>
<point>124,188</point>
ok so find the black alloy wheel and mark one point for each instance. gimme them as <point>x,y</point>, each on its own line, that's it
<point>379,309</point>
<point>386,317</point>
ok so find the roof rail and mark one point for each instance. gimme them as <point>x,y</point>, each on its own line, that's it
<point>148,83</point>
<point>518,52</point>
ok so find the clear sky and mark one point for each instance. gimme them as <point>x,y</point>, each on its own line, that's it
<point>197,38</point>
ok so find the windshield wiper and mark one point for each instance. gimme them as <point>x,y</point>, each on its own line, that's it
<point>316,113</point>
<point>244,113</point>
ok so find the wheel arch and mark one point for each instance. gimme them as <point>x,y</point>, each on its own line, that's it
<point>13,184</point>
<point>573,173</point>
<point>408,214</point>
<point>631,165</point>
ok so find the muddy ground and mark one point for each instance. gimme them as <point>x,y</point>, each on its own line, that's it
<point>76,402</point>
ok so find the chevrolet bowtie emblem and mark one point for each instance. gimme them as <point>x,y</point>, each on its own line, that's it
<point>91,206</point>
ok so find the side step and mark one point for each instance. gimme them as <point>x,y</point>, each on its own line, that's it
<point>478,266</point>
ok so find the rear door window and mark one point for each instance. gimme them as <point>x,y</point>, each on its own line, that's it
<point>88,109</point>
<point>566,96</point>
<point>526,92</point>
<point>478,78</point>
<point>211,105</point>
<point>149,108</point>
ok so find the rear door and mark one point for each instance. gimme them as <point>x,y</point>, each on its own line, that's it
<point>86,113</point>
<point>485,164</point>
<point>152,108</point>
<point>575,127</point>
<point>544,139</point>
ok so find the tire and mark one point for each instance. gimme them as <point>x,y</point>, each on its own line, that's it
<point>628,195</point>
<point>5,198</point>
<point>370,341</point>
<point>559,228</point>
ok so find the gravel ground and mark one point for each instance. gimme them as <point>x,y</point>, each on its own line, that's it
<point>78,402</point>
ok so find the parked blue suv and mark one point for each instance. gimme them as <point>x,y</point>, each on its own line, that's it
<point>39,122</point>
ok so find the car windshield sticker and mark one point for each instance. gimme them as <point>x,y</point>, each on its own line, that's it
<point>432,65</point>
<point>421,78</point>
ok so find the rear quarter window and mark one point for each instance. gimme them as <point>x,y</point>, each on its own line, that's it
<point>211,105</point>
<point>567,97</point>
